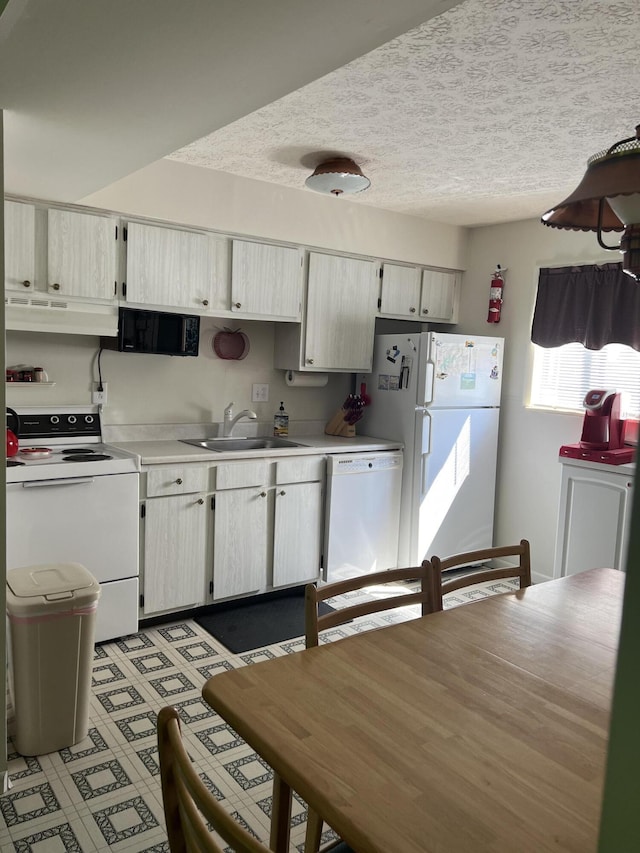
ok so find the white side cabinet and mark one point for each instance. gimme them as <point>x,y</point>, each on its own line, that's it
<point>174,268</point>
<point>439,299</point>
<point>175,561</point>
<point>594,517</point>
<point>81,254</point>
<point>266,280</point>
<point>19,246</point>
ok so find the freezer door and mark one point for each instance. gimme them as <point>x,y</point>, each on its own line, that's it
<point>454,486</point>
<point>461,371</point>
<point>393,387</point>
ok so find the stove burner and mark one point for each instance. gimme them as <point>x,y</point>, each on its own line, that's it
<point>12,463</point>
<point>78,450</point>
<point>86,457</point>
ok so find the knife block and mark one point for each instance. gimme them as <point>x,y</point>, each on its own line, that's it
<point>338,425</point>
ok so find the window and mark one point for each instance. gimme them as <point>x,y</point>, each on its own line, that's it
<point>563,375</point>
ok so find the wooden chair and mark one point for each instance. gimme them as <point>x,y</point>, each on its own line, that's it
<point>442,586</point>
<point>315,623</point>
<point>189,806</point>
<point>314,595</point>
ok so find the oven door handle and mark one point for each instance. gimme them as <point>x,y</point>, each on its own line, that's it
<point>67,481</point>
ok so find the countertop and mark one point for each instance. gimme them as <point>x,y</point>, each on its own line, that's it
<point>157,452</point>
<point>629,468</point>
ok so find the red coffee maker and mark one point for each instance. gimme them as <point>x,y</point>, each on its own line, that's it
<point>602,431</point>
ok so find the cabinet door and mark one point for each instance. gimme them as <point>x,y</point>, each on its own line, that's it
<point>19,246</point>
<point>342,301</point>
<point>594,520</point>
<point>400,291</point>
<point>439,296</point>
<point>266,280</point>
<point>297,533</point>
<point>240,542</point>
<point>81,254</point>
<point>175,570</point>
<point>177,269</point>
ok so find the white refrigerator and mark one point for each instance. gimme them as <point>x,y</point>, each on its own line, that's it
<point>440,395</point>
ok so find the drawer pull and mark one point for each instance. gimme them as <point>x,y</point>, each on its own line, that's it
<point>283,492</point>
<point>205,302</point>
<point>425,310</point>
<point>56,286</point>
<point>200,501</point>
<point>263,494</point>
<point>412,310</point>
<point>26,283</point>
<point>179,481</point>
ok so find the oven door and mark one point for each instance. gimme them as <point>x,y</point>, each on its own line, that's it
<point>87,520</point>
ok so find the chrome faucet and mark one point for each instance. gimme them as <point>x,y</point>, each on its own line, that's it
<point>230,421</point>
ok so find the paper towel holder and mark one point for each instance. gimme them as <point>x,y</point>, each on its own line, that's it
<point>295,379</point>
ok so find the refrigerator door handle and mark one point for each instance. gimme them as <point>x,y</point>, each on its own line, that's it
<point>428,384</point>
<point>425,451</point>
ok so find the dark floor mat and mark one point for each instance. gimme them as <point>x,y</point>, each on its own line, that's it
<point>261,620</point>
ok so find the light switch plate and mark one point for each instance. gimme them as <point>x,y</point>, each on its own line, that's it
<point>260,393</point>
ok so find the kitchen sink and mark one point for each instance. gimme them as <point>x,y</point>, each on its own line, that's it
<point>223,445</point>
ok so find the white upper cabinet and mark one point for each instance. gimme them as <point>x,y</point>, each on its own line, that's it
<point>341,305</point>
<point>177,269</point>
<point>19,246</point>
<point>400,291</point>
<point>82,256</point>
<point>413,293</point>
<point>439,302</point>
<point>266,280</point>
<point>338,327</point>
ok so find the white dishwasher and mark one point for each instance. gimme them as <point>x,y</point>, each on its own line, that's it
<point>363,514</point>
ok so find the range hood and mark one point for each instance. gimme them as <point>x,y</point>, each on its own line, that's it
<point>44,314</point>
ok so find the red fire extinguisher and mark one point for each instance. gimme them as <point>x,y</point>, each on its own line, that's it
<point>495,295</point>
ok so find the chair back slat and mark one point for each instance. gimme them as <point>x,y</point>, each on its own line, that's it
<point>441,585</point>
<point>314,595</point>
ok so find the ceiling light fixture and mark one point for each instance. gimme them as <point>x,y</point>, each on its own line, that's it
<point>607,199</point>
<point>338,176</point>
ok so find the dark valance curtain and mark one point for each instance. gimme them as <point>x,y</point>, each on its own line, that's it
<point>590,305</point>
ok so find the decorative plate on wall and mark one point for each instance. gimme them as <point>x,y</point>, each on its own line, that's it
<point>231,344</point>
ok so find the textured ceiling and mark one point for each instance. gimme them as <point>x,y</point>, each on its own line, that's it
<point>485,114</point>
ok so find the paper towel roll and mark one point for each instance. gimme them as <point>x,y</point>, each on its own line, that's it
<point>305,380</point>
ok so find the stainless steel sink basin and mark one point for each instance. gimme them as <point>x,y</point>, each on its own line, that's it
<point>223,445</point>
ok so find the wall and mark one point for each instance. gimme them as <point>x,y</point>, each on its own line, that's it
<point>3,530</point>
<point>154,389</point>
<point>528,486</point>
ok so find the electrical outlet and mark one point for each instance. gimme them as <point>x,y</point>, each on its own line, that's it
<point>260,393</point>
<point>99,398</point>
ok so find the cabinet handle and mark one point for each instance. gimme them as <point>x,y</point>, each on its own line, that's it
<point>205,302</point>
<point>179,481</point>
<point>283,492</point>
<point>200,501</point>
<point>425,310</point>
<point>309,361</point>
<point>263,494</point>
<point>26,284</point>
<point>238,304</point>
<point>412,310</point>
<point>55,286</point>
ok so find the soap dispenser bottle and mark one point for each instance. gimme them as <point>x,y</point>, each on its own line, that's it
<point>281,422</point>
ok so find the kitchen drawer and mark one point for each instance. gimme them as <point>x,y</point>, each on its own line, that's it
<point>176,480</point>
<point>237,475</point>
<point>300,469</point>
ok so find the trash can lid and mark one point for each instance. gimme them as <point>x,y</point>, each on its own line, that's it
<point>53,582</point>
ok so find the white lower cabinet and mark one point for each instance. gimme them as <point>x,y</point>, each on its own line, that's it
<point>225,530</point>
<point>175,520</point>
<point>298,515</point>
<point>175,566</point>
<point>267,524</point>
<point>594,518</point>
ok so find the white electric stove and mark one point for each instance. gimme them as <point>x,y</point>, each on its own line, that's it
<point>72,498</point>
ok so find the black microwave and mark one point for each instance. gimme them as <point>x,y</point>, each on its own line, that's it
<point>158,332</point>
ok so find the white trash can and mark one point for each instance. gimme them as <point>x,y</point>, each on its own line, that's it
<point>51,612</point>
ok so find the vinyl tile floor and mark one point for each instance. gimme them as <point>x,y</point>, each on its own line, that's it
<point>103,794</point>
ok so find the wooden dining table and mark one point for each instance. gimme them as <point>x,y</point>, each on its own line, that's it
<point>480,728</point>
